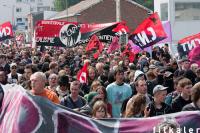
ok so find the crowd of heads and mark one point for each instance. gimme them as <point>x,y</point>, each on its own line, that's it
<point>151,79</point>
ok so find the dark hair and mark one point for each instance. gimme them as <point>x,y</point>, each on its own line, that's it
<point>118,70</point>
<point>32,67</point>
<point>104,91</point>
<point>195,92</point>
<point>63,80</point>
<point>137,82</point>
<point>185,81</point>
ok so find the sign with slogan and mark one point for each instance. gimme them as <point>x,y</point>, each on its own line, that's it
<point>149,32</point>
<point>70,34</point>
<point>22,112</point>
<point>6,31</point>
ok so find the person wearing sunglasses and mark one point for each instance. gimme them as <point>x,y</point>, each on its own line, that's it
<point>13,76</point>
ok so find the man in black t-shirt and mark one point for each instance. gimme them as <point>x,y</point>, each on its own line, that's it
<point>184,98</point>
<point>157,106</point>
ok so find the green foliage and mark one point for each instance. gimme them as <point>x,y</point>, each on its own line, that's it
<point>60,5</point>
<point>147,3</point>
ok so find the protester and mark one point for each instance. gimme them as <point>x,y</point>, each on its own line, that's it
<point>99,110</point>
<point>13,76</point>
<point>195,97</point>
<point>63,88</point>
<point>38,80</point>
<point>53,82</point>
<point>177,91</point>
<point>118,91</point>
<point>158,106</point>
<point>197,79</point>
<point>25,80</point>
<point>137,107</point>
<point>184,98</point>
<point>3,64</point>
<point>74,101</point>
<point>3,77</point>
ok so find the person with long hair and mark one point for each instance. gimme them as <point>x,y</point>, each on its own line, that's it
<point>137,107</point>
<point>99,110</point>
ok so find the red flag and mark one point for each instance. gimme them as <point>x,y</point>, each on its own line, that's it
<point>6,31</point>
<point>83,74</point>
<point>194,39</point>
<point>99,50</point>
<point>95,44</point>
<point>92,43</point>
<point>128,52</point>
<point>114,45</point>
<point>194,55</point>
<point>149,32</point>
<point>121,29</point>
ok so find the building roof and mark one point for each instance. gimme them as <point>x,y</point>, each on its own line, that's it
<point>84,5</point>
<point>77,8</point>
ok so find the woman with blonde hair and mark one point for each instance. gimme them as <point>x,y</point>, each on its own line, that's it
<point>99,110</point>
<point>138,107</point>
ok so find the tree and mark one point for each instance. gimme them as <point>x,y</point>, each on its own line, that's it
<point>60,5</point>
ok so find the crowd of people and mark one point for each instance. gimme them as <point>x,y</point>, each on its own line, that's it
<point>154,84</point>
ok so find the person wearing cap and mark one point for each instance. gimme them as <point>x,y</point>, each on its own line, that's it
<point>184,98</point>
<point>13,76</point>
<point>158,106</point>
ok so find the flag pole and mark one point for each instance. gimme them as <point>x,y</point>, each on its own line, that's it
<point>118,12</point>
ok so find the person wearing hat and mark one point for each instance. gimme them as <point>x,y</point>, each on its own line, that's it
<point>13,76</point>
<point>158,106</point>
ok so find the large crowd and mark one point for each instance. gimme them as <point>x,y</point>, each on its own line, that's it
<point>153,84</point>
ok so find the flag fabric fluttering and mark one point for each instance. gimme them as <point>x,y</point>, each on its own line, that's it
<point>167,28</point>
<point>95,44</point>
<point>121,28</point>
<point>194,55</point>
<point>6,31</point>
<point>193,39</point>
<point>114,45</point>
<point>92,43</point>
<point>83,74</point>
<point>129,53</point>
<point>149,32</point>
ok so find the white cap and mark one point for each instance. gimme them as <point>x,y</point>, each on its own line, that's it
<point>158,88</point>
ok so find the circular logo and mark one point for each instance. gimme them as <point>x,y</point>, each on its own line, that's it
<point>70,35</point>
